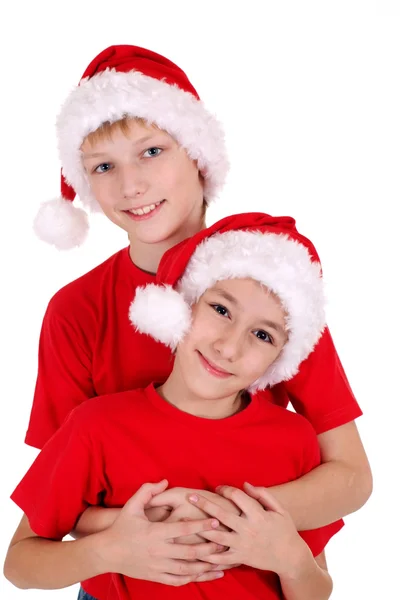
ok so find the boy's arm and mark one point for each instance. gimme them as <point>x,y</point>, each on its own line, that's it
<point>343,483</point>
<point>98,518</point>
<point>35,562</point>
<point>309,579</point>
<point>264,537</point>
<point>335,488</point>
<point>127,547</point>
<point>328,492</point>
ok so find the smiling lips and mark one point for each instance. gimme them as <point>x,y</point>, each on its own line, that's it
<point>213,369</point>
<point>144,211</point>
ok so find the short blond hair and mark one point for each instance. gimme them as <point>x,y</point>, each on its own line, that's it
<point>106,129</point>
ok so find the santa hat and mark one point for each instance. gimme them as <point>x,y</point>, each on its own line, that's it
<point>253,245</point>
<point>127,81</point>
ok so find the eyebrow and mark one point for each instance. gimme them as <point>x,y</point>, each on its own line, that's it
<point>235,302</point>
<point>141,140</point>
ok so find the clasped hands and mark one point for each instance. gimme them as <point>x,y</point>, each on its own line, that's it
<point>253,529</point>
<point>177,536</point>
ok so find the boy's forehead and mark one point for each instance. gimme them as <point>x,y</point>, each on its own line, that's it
<point>133,128</point>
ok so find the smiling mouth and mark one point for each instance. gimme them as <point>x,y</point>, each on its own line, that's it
<point>212,368</point>
<point>144,210</point>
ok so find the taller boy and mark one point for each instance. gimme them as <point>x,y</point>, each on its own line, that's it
<point>135,140</point>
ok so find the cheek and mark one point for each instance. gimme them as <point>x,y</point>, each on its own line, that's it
<point>258,362</point>
<point>100,190</point>
<point>183,178</point>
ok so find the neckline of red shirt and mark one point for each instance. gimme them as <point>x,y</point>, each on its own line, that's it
<point>140,276</point>
<point>248,414</point>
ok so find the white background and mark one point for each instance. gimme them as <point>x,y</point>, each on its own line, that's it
<point>309,95</point>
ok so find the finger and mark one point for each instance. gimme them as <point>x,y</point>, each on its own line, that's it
<point>210,576</point>
<point>184,567</point>
<point>165,498</point>
<point>136,504</point>
<point>225,560</point>
<point>181,528</point>
<point>221,538</point>
<point>264,497</point>
<point>227,518</point>
<point>194,551</point>
<point>248,506</point>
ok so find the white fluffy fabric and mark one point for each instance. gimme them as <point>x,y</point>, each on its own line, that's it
<point>111,95</point>
<point>60,223</point>
<point>161,312</point>
<point>283,265</point>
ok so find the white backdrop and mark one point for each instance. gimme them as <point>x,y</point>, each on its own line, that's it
<point>309,95</point>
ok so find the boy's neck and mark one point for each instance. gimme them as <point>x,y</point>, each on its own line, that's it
<point>147,256</point>
<point>175,392</point>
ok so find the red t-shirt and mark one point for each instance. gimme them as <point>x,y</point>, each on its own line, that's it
<point>89,348</point>
<point>109,446</point>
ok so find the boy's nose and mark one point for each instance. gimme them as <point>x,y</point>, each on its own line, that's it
<point>132,182</point>
<point>229,345</point>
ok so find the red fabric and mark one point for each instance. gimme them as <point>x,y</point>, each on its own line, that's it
<point>88,348</point>
<point>125,58</point>
<point>175,260</point>
<point>67,192</point>
<point>109,446</point>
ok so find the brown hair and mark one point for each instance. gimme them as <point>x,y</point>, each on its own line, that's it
<point>106,130</point>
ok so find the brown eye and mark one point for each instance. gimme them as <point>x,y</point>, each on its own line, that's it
<point>263,336</point>
<point>221,310</point>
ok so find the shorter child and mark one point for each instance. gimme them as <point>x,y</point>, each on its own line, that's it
<point>242,305</point>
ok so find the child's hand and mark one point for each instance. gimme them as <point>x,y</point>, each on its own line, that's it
<point>176,497</point>
<point>263,536</point>
<point>135,547</point>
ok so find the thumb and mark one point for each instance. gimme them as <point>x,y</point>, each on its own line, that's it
<point>136,504</point>
<point>264,497</point>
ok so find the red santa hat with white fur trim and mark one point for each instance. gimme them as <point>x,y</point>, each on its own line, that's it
<point>252,245</point>
<point>127,81</point>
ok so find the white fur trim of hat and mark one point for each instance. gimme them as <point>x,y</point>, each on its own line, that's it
<point>277,261</point>
<point>112,95</point>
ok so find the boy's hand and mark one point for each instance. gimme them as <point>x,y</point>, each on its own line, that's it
<point>263,536</point>
<point>175,498</point>
<point>135,547</point>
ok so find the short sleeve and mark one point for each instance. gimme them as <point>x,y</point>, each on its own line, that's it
<point>62,482</point>
<point>317,539</point>
<point>320,391</point>
<point>64,373</point>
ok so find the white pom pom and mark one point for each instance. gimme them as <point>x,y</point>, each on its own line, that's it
<point>60,223</point>
<point>162,313</point>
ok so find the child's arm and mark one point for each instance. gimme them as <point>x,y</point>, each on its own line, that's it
<point>343,483</point>
<point>334,489</point>
<point>267,540</point>
<point>98,518</point>
<point>127,547</point>
<point>310,581</point>
<point>35,562</point>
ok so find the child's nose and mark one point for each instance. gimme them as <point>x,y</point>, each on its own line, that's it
<point>132,181</point>
<point>229,345</point>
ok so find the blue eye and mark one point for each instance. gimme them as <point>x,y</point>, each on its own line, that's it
<point>103,168</point>
<point>263,336</point>
<point>150,152</point>
<point>221,310</point>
